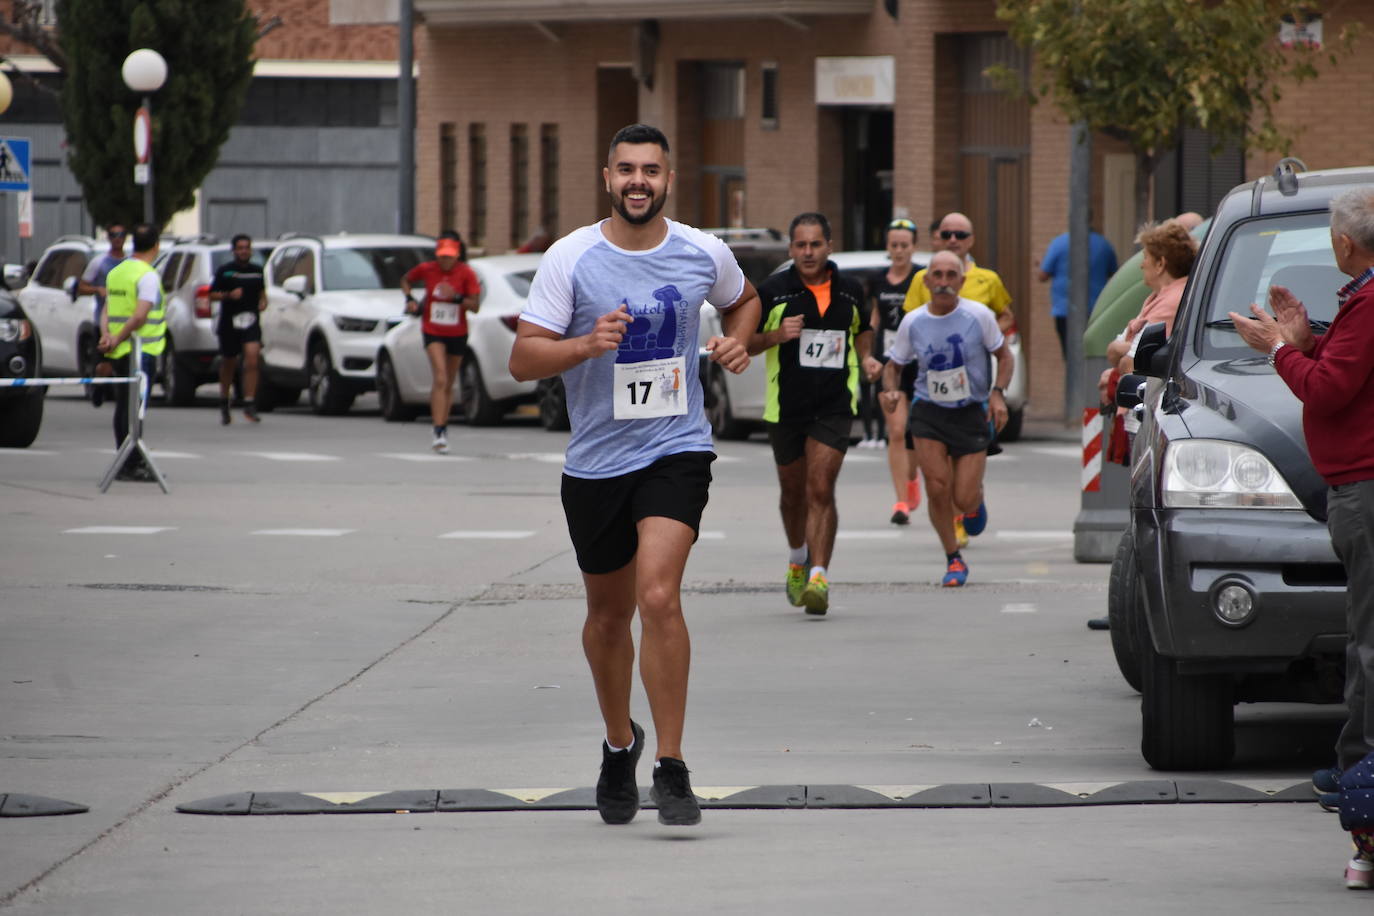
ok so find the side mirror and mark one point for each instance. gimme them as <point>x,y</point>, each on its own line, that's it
<point>1130,391</point>
<point>298,285</point>
<point>69,286</point>
<point>1152,352</point>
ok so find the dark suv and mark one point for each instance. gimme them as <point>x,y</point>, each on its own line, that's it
<point>1225,587</point>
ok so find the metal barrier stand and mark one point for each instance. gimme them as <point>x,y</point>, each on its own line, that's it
<point>139,388</point>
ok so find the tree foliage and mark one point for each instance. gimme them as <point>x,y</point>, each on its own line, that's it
<point>208,47</point>
<point>1143,70</point>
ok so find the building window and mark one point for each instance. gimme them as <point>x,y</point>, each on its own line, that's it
<point>548,179</point>
<point>448,176</point>
<point>519,184</point>
<point>768,108</point>
<point>477,184</point>
<point>722,93</point>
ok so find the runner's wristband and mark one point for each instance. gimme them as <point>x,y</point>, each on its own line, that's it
<point>998,389</point>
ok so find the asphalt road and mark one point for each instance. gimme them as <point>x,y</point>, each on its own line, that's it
<point>322,606</point>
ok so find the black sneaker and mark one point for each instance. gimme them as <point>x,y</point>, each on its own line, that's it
<point>617,794</point>
<point>224,418</point>
<point>250,412</point>
<point>672,792</point>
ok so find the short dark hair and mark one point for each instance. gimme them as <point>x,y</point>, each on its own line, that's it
<point>638,133</point>
<point>241,237</point>
<point>809,219</point>
<point>146,237</point>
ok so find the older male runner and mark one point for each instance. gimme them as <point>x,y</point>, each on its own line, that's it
<point>950,336</point>
<point>615,308</point>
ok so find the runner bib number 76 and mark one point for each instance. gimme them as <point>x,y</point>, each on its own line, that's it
<point>947,386</point>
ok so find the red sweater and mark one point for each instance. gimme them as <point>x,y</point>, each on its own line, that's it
<point>1335,383</point>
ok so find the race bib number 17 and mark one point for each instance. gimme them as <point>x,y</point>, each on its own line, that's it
<point>654,388</point>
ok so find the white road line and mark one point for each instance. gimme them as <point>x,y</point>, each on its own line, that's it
<point>1058,451</point>
<point>487,535</point>
<point>1019,608</point>
<point>1046,534</point>
<point>422,456</point>
<point>290,456</point>
<point>157,453</point>
<point>851,458</point>
<point>546,457</point>
<point>118,529</point>
<point>29,451</point>
<point>711,535</point>
<point>307,532</point>
<point>868,535</point>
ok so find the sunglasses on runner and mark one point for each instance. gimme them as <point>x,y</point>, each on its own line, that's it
<point>959,234</point>
<point>902,224</point>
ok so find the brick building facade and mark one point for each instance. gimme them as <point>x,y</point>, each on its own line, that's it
<point>518,98</point>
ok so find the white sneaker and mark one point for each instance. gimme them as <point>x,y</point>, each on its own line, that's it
<point>440,444</point>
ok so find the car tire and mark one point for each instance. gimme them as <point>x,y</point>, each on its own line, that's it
<point>1012,431</point>
<point>718,412</point>
<point>1187,720</point>
<point>477,406</point>
<point>553,405</point>
<point>329,393</point>
<point>21,417</point>
<point>1124,612</point>
<point>394,409</point>
<point>178,379</point>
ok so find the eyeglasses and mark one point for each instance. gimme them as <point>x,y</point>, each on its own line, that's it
<point>115,235</point>
<point>959,234</point>
<point>902,224</point>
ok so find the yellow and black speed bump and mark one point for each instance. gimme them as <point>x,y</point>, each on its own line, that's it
<point>953,795</point>
<point>15,805</point>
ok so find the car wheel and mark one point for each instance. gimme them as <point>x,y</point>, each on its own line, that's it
<point>553,405</point>
<point>1123,596</point>
<point>718,412</point>
<point>178,379</point>
<point>394,410</point>
<point>1012,431</point>
<point>477,406</point>
<point>1187,720</point>
<point>21,417</point>
<point>329,394</point>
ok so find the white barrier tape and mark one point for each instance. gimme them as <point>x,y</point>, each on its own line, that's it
<point>49,382</point>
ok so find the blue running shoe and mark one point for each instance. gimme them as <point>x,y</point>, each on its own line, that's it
<point>975,522</point>
<point>1327,780</point>
<point>956,574</point>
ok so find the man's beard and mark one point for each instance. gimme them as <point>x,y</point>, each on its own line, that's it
<point>655,205</point>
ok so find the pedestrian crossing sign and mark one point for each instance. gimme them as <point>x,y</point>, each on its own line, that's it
<point>14,164</point>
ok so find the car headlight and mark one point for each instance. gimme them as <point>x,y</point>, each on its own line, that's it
<point>357,325</point>
<point>1215,474</point>
<point>12,329</point>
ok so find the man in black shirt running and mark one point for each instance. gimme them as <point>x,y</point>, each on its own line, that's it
<point>238,288</point>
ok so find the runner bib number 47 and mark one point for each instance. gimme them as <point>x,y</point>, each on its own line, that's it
<point>822,349</point>
<point>654,388</point>
<point>947,386</point>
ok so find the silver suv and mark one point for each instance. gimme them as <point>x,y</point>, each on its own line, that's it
<point>187,267</point>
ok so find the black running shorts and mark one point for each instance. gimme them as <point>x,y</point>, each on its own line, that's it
<point>232,339</point>
<point>963,430</point>
<point>603,513</point>
<point>789,439</point>
<point>454,345</point>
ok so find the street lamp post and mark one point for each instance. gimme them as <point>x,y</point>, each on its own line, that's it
<point>145,71</point>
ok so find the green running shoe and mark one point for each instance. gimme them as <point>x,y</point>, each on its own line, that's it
<point>796,584</point>
<point>816,597</point>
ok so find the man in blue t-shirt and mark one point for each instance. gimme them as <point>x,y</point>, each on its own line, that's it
<point>1055,266</point>
<point>92,283</point>
<point>639,460</point>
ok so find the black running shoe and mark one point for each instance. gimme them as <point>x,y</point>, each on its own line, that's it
<point>224,418</point>
<point>250,412</point>
<point>617,794</point>
<point>672,792</point>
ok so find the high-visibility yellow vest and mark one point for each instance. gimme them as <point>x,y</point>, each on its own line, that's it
<point>121,302</point>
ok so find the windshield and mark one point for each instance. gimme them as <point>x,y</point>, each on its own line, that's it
<point>370,268</point>
<point>1292,251</point>
<point>520,282</point>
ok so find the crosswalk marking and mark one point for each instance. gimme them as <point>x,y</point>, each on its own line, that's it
<point>711,536</point>
<point>290,456</point>
<point>1058,451</point>
<point>1044,534</point>
<point>119,529</point>
<point>157,453</point>
<point>36,452</point>
<point>868,535</point>
<point>422,456</point>
<point>306,532</point>
<point>487,535</point>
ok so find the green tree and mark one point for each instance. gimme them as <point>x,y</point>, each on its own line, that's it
<point>1143,70</point>
<point>208,47</point>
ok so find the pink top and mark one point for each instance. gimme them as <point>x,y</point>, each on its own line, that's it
<point>1163,305</point>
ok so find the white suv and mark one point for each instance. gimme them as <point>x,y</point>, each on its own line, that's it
<point>330,301</point>
<point>63,321</point>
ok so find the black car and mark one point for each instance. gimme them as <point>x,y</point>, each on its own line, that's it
<point>1225,588</point>
<point>21,407</point>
